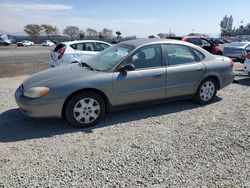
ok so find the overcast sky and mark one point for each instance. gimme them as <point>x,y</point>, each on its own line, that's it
<point>131,17</point>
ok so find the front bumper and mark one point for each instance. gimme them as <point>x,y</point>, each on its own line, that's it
<point>39,107</point>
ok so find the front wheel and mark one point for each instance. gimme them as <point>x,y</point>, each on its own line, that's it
<point>206,91</point>
<point>85,109</point>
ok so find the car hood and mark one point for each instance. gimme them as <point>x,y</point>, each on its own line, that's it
<point>55,75</point>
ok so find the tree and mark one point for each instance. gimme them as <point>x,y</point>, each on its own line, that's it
<point>81,35</point>
<point>100,35</point>
<point>118,33</point>
<point>107,33</point>
<point>49,30</point>
<point>92,33</point>
<point>72,31</point>
<point>33,30</point>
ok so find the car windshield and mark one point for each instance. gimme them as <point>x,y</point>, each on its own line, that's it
<point>237,44</point>
<point>106,59</point>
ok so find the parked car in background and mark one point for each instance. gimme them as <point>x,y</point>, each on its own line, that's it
<point>5,40</point>
<point>76,51</point>
<point>48,43</point>
<point>247,64</point>
<point>237,50</point>
<point>25,43</point>
<point>218,41</point>
<point>135,71</point>
<point>205,43</point>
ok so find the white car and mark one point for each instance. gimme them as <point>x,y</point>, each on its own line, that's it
<point>76,51</point>
<point>25,43</point>
<point>247,64</point>
<point>48,43</point>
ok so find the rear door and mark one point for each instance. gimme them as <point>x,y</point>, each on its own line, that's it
<point>184,70</point>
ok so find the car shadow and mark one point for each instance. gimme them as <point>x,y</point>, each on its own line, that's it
<point>14,126</point>
<point>244,81</point>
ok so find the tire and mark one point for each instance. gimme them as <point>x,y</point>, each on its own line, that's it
<point>242,61</point>
<point>206,91</point>
<point>85,109</point>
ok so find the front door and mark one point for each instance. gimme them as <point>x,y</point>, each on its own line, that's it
<point>146,82</point>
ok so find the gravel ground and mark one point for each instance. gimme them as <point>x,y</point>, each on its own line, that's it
<point>178,144</point>
<point>15,61</point>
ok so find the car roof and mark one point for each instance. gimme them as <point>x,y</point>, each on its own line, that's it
<point>83,41</point>
<point>142,42</point>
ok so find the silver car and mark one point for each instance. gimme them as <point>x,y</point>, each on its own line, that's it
<point>130,72</point>
<point>76,51</point>
<point>237,50</point>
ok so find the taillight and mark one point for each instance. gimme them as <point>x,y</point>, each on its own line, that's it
<point>61,52</point>
<point>248,56</point>
<point>231,63</point>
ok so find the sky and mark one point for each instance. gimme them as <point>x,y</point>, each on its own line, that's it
<point>132,17</point>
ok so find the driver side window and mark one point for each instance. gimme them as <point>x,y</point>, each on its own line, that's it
<point>145,57</point>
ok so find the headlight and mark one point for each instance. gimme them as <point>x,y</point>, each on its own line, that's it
<point>36,92</point>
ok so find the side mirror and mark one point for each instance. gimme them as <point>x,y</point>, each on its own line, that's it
<point>127,67</point>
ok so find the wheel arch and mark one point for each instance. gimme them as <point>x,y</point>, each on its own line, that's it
<point>97,91</point>
<point>214,76</point>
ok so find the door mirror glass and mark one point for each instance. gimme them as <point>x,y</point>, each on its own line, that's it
<point>127,67</point>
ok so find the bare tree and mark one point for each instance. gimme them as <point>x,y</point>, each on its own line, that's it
<point>33,30</point>
<point>108,33</point>
<point>92,33</point>
<point>72,31</point>
<point>49,30</point>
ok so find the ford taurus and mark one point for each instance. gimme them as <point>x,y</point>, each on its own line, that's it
<point>130,72</point>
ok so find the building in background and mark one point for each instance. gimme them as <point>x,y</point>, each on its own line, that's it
<point>226,24</point>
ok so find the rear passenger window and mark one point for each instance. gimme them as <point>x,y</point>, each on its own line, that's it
<point>89,47</point>
<point>83,46</point>
<point>179,54</point>
<point>199,54</point>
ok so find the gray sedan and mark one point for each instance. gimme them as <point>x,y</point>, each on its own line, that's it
<point>130,72</point>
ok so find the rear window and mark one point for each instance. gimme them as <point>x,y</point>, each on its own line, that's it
<point>58,47</point>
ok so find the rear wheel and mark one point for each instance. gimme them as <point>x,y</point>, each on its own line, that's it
<point>85,109</point>
<point>206,91</point>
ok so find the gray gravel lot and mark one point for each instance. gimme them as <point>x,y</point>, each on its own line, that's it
<point>177,144</point>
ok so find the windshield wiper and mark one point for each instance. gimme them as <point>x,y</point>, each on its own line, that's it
<point>83,64</point>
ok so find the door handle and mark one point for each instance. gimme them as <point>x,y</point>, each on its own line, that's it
<point>199,69</point>
<point>157,75</point>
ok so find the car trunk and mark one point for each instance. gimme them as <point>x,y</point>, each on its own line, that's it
<point>58,52</point>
